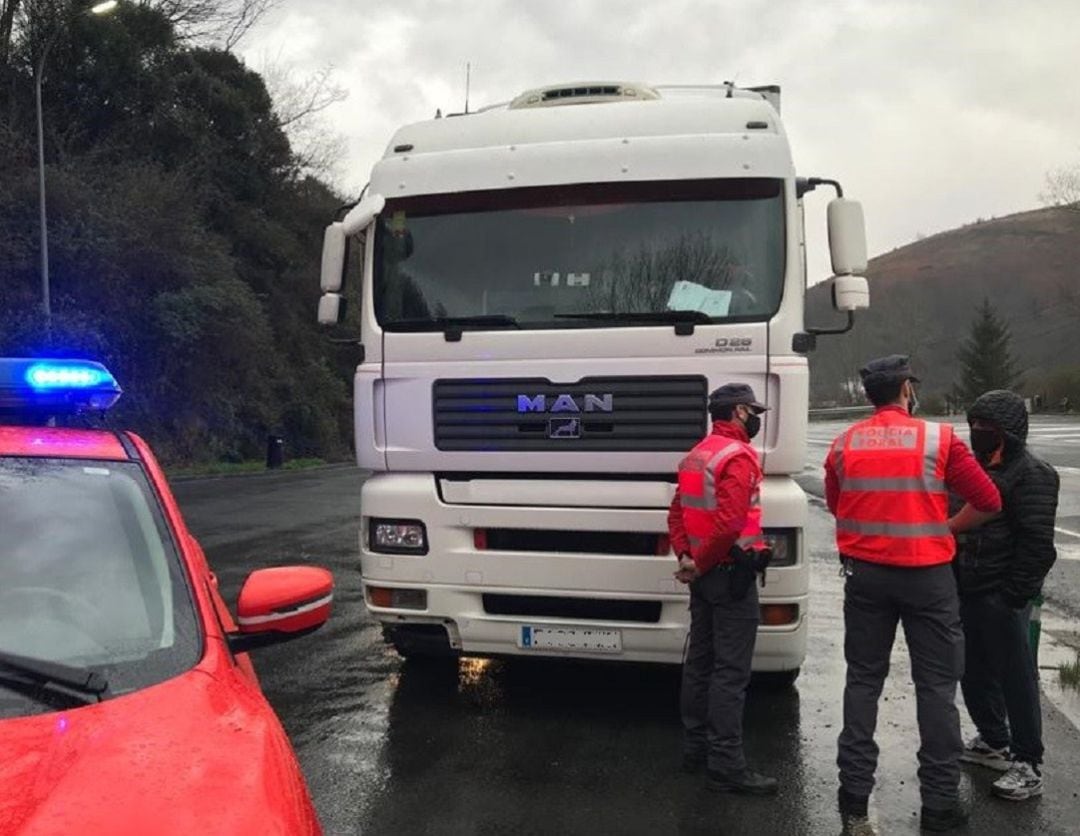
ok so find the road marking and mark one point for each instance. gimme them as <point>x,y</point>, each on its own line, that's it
<point>1061,530</point>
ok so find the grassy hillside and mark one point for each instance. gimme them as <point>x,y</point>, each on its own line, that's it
<point>924,296</point>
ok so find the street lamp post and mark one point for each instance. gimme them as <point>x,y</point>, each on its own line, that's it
<point>39,71</point>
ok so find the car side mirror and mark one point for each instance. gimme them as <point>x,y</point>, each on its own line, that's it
<point>280,604</point>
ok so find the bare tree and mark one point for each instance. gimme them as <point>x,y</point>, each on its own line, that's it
<point>1062,187</point>
<point>221,22</point>
<point>300,103</point>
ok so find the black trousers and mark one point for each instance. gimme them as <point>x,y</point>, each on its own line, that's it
<point>1001,683</point>
<point>716,670</point>
<point>924,600</point>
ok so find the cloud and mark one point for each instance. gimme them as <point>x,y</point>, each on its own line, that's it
<point>932,113</point>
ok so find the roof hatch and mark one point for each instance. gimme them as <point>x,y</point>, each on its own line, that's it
<point>589,92</point>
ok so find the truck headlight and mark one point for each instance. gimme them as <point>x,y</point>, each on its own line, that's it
<point>398,536</point>
<point>784,543</point>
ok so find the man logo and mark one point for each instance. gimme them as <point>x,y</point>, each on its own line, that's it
<point>564,428</point>
<point>566,403</point>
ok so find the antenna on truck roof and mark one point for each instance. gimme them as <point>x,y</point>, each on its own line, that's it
<point>468,73</point>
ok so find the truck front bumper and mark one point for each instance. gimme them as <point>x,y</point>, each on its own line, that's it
<point>460,580</point>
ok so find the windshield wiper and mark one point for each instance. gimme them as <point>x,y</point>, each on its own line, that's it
<point>437,322</point>
<point>452,326</point>
<point>683,321</point>
<point>43,672</point>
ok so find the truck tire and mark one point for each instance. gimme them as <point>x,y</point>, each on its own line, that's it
<point>419,641</point>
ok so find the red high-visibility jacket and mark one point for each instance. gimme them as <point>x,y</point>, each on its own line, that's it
<point>696,522</point>
<point>893,504</point>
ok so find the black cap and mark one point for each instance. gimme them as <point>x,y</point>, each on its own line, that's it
<point>896,368</point>
<point>731,394</point>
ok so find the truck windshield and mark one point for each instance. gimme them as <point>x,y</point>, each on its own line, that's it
<point>89,578</point>
<point>543,257</point>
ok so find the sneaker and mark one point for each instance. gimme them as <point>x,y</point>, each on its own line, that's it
<point>741,783</point>
<point>852,825</point>
<point>977,751</point>
<point>1021,782</point>
<point>853,814</point>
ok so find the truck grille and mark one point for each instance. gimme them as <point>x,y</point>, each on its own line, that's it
<point>595,414</point>
<point>587,609</point>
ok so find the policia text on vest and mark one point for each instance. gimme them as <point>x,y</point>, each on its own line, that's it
<point>887,482</point>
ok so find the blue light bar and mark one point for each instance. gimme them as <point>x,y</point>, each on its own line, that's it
<point>55,387</point>
<point>79,375</point>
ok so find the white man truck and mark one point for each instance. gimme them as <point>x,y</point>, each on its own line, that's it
<point>549,288</point>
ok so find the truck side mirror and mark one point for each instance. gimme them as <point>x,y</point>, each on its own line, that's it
<point>334,254</point>
<point>331,308</point>
<point>850,293</point>
<point>847,237</point>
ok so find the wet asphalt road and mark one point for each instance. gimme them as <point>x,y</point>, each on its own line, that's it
<point>527,747</point>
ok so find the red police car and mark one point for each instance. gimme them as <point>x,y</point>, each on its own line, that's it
<point>128,704</point>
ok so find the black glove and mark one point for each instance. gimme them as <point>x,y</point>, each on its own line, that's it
<point>1017,602</point>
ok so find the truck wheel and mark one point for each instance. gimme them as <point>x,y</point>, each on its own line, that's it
<point>419,641</point>
<point>776,680</point>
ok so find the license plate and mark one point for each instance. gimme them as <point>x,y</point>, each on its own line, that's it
<point>581,639</point>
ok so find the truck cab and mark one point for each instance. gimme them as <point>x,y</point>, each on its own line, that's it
<point>549,288</point>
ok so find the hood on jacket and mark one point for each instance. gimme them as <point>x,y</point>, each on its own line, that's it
<point>1006,411</point>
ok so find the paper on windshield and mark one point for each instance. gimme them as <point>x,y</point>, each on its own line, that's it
<point>690,296</point>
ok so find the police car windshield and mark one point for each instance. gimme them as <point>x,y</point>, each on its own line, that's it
<point>552,257</point>
<point>89,577</point>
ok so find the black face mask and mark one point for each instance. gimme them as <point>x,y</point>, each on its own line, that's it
<point>752,425</point>
<point>984,442</point>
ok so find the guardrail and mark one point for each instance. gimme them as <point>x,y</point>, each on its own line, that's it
<point>840,412</point>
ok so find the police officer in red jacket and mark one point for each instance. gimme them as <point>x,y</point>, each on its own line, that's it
<point>715,528</point>
<point>887,481</point>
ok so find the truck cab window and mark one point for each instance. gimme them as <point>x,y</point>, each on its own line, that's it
<point>543,255</point>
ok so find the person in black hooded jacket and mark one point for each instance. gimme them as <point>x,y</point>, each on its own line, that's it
<point>1000,567</point>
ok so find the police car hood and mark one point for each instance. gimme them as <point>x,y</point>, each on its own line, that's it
<point>191,755</point>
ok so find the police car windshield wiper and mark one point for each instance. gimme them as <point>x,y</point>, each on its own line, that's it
<point>43,672</point>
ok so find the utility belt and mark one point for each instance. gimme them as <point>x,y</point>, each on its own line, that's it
<point>745,565</point>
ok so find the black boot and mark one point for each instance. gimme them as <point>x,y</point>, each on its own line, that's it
<point>693,763</point>
<point>938,821</point>
<point>741,783</point>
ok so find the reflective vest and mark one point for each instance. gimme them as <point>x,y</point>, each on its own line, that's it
<point>893,505</point>
<point>698,473</point>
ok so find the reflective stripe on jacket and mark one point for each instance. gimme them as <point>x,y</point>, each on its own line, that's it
<point>893,506</point>
<point>698,474</point>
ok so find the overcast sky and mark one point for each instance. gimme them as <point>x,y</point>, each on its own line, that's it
<point>932,112</point>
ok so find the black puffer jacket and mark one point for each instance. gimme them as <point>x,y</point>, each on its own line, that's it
<point>1011,554</point>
